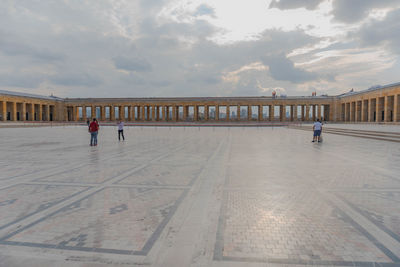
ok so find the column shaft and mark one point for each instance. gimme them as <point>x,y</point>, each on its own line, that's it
<point>174,111</point>
<point>33,112</point>
<point>396,107</point>
<point>362,111</point>
<point>47,112</point>
<point>84,117</point>
<point>386,109</point>
<point>23,115</point>
<point>122,113</point>
<point>196,113</point>
<point>41,112</point>
<point>153,113</point>
<point>294,116</point>
<point>14,111</point>
<point>4,111</point>
<point>164,113</point>
<point>271,112</point>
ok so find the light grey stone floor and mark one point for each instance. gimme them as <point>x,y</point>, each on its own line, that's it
<point>197,196</point>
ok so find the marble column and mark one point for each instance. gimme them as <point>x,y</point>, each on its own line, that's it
<point>282,113</point>
<point>363,111</point>
<point>33,112</point>
<point>196,113</point>
<point>103,113</point>
<point>84,117</point>
<point>153,113</point>
<point>174,111</point>
<point>164,113</point>
<point>271,112</point>
<point>396,108</point>
<point>122,113</point>
<point>307,117</point>
<point>23,115</point>
<point>47,111</point>
<point>93,110</point>
<point>294,116</point>
<point>14,111</point>
<point>386,109</point>
<point>142,113</point>
<point>4,111</point>
<point>185,112</point>
<point>41,112</point>
<point>370,111</point>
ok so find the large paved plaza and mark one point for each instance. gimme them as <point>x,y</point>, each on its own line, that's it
<point>197,196</point>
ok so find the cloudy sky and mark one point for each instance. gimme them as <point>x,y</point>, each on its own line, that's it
<point>137,48</point>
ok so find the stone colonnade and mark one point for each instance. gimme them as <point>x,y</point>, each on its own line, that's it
<point>197,111</point>
<point>379,104</point>
<point>383,106</point>
<point>26,109</point>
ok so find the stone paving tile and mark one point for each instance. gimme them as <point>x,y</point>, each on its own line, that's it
<point>90,173</point>
<point>162,174</point>
<point>278,200</point>
<point>18,202</point>
<point>290,227</point>
<point>382,208</point>
<point>115,220</point>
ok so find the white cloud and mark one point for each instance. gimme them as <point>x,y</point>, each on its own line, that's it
<point>196,47</point>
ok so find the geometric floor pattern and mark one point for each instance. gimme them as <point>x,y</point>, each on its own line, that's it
<point>197,196</point>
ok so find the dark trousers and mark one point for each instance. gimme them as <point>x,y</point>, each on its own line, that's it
<point>121,132</point>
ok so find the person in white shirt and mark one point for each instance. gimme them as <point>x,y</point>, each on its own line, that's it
<point>121,130</point>
<point>317,128</point>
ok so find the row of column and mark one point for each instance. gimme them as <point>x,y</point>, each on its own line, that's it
<point>196,112</point>
<point>22,111</point>
<point>379,109</point>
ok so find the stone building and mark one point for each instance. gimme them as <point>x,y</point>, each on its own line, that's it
<point>377,104</point>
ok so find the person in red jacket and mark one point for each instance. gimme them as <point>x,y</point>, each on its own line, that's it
<point>93,130</point>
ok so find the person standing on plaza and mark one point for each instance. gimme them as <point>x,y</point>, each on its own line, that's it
<point>93,130</point>
<point>121,130</point>
<point>317,128</point>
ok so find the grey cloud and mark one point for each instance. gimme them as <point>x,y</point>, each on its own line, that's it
<point>75,79</point>
<point>355,10</point>
<point>20,79</point>
<point>348,11</point>
<point>132,64</point>
<point>12,46</point>
<point>386,32</point>
<point>152,4</point>
<point>158,61</point>
<point>292,4</point>
<point>283,69</point>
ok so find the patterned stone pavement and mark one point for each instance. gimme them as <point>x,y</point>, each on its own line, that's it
<point>189,196</point>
